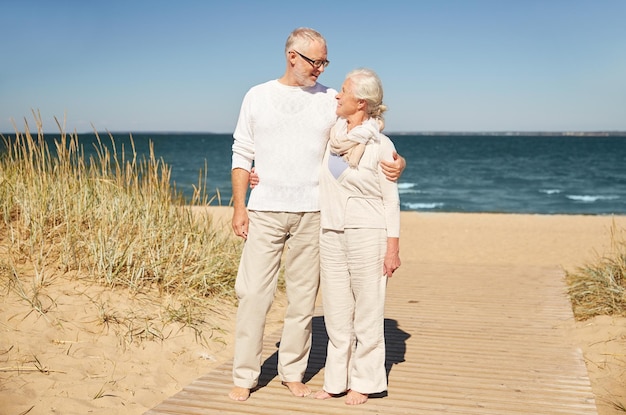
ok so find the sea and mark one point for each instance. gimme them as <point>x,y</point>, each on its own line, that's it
<point>496,173</point>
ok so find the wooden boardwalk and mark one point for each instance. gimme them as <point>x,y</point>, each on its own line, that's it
<point>461,339</point>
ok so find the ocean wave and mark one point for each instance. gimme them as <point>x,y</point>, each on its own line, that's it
<point>550,191</point>
<point>409,192</point>
<point>422,206</point>
<point>407,188</point>
<point>590,198</point>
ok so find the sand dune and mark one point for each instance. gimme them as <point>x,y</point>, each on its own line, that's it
<point>67,361</point>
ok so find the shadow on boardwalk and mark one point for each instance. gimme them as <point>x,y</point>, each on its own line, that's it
<point>395,344</point>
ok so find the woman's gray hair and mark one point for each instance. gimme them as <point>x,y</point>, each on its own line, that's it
<point>366,85</point>
<point>301,38</point>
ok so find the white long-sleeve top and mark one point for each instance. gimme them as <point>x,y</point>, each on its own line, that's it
<point>284,131</point>
<point>360,197</point>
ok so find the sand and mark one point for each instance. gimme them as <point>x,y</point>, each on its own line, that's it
<point>82,356</point>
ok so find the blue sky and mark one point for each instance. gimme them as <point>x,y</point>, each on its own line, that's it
<point>446,65</point>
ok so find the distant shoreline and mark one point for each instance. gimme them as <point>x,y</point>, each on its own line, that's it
<point>392,133</point>
<point>517,133</point>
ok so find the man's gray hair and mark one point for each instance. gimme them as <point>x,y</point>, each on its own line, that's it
<point>301,38</point>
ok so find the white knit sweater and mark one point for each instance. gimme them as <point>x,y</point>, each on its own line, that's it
<point>284,131</point>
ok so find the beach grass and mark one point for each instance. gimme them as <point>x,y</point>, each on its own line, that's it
<point>113,220</point>
<point>599,287</point>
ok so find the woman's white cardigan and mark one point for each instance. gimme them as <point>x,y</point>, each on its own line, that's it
<point>361,197</point>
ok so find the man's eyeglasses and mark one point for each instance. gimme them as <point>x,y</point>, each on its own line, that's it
<point>316,64</point>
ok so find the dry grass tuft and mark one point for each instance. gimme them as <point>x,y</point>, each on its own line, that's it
<point>114,220</point>
<point>600,288</point>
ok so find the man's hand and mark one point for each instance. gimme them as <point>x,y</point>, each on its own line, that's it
<point>240,222</point>
<point>240,179</point>
<point>393,169</point>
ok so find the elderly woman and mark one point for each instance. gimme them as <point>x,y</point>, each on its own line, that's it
<point>359,241</point>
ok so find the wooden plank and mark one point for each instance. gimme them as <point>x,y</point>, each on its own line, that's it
<point>461,339</point>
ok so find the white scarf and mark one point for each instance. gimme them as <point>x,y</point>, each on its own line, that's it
<point>351,145</point>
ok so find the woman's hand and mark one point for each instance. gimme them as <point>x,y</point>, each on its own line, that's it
<point>392,257</point>
<point>254,178</point>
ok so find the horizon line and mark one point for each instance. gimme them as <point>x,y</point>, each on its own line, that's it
<point>415,132</point>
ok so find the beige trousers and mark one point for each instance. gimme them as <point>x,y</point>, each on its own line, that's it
<point>353,296</point>
<point>269,235</point>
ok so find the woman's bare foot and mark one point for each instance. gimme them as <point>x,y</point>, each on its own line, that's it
<point>355,398</point>
<point>298,389</point>
<point>323,395</point>
<point>239,394</point>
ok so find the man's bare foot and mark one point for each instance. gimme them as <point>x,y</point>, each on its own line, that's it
<point>355,398</point>
<point>323,395</point>
<point>298,389</point>
<point>239,394</point>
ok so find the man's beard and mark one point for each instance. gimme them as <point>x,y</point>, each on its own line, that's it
<point>305,81</point>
